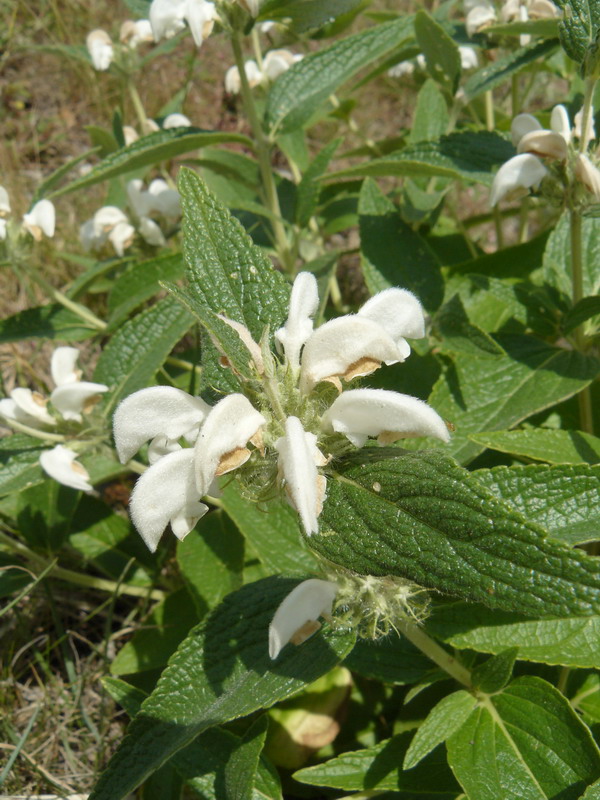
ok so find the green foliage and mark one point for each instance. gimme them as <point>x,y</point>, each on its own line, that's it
<point>440,51</point>
<point>51,321</point>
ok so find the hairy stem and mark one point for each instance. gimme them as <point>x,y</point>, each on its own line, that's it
<point>432,650</point>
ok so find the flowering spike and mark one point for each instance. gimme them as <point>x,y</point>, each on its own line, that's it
<point>297,616</point>
<point>159,410</point>
<point>60,463</point>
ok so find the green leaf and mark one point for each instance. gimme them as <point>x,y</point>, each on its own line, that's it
<point>390,660</point>
<point>379,768</point>
<point>495,673</point>
<point>44,514</point>
<point>54,178</point>
<point>497,392</point>
<point>309,187</point>
<point>525,742</point>
<point>227,273</point>
<point>465,156</point>
<point>222,671</point>
<point>431,114</point>
<point>301,90</point>
<point>140,283</point>
<point>51,321</point>
<point>148,151</point>
<point>578,27</point>
<point>585,309</point>
<point>592,792</point>
<point>442,721</point>
<point>567,641</point>
<point>557,257</point>
<point>587,697</point>
<point>240,772</point>
<point>504,68</point>
<point>20,461</point>
<point>459,335</point>
<point>544,28</point>
<point>272,530</point>
<point>553,446</point>
<point>305,15</point>
<point>139,348</point>
<point>440,51</point>
<point>211,561</point>
<point>565,500</point>
<point>157,639</point>
<point>422,517</point>
<point>392,253</point>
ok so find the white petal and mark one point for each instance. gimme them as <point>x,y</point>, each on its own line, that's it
<point>510,10</point>
<point>200,16</point>
<point>4,202</point>
<point>130,134</point>
<point>306,603</point>
<point>521,172</point>
<point>41,219</point>
<point>298,457</point>
<point>277,62</point>
<point>138,198</point>
<point>163,199</point>
<point>71,398</point>
<point>246,337</point>
<point>176,120</point>
<point>588,174</point>
<point>2,229</point>
<point>32,404</point>
<point>304,301</point>
<point>89,237</point>
<point>232,81</point>
<point>62,365</point>
<point>121,237</point>
<point>340,346</point>
<point>60,463</point>
<point>591,131</point>
<point>479,17</point>
<point>161,446</point>
<point>522,124</point>
<point>468,57</point>
<point>560,122</point>
<point>10,410</point>
<point>544,144</point>
<point>155,411</point>
<point>543,9</point>
<point>151,232</point>
<point>360,413</point>
<point>106,218</point>
<point>166,493</point>
<point>399,313</point>
<point>226,431</point>
<point>166,18</point>
<point>401,69</point>
<point>100,48</point>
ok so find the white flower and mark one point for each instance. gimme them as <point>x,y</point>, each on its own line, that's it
<point>299,457</point>
<point>151,232</point>
<point>121,237</point>
<point>516,177</point>
<point>2,229</point>
<point>521,125</point>
<point>401,69</point>
<point>588,174</point>
<point>106,218</point>
<point>71,395</point>
<point>480,15</point>
<point>176,121</point>
<point>544,144</point>
<point>167,18</point>
<point>100,48</point>
<point>360,413</point>
<point>136,32</point>
<point>590,132</point>
<point>166,493</point>
<point>200,16</point>
<point>159,410</point>
<point>221,443</point>
<point>90,237</point>
<point>163,199</point>
<point>297,617</point>
<point>4,203</point>
<point>468,57</point>
<point>304,301</point>
<point>130,134</point>
<point>277,62</point>
<point>27,407</point>
<point>40,220</point>
<point>399,313</point>
<point>60,463</point>
<point>233,83</point>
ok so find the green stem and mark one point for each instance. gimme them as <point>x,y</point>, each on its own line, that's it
<point>588,96</point>
<point>263,152</point>
<point>34,432</point>
<point>437,654</point>
<point>137,104</point>
<point>490,121</point>
<point>584,398</point>
<point>81,311</point>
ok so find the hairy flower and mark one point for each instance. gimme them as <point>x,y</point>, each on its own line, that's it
<point>100,48</point>
<point>297,617</point>
<point>60,463</point>
<point>40,220</point>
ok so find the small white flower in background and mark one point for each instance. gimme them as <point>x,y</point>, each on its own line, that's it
<point>168,17</point>
<point>72,396</point>
<point>60,463</point>
<point>296,436</point>
<point>2,229</point>
<point>121,237</point>
<point>176,120</point>
<point>40,220</point>
<point>151,232</point>
<point>404,68</point>
<point>275,62</point>
<point>4,203</point>
<point>27,407</point>
<point>150,126</point>
<point>134,33</point>
<point>233,82</point>
<point>480,14</point>
<point>297,617</point>
<point>200,16</point>
<point>100,48</point>
<point>468,57</point>
<point>106,218</point>
<point>130,135</point>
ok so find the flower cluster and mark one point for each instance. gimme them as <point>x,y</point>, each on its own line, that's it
<point>111,224</point>
<point>274,63</point>
<point>480,14</point>
<point>536,146</point>
<point>71,399</point>
<point>291,423</point>
<point>38,222</point>
<point>101,48</point>
<point>168,17</point>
